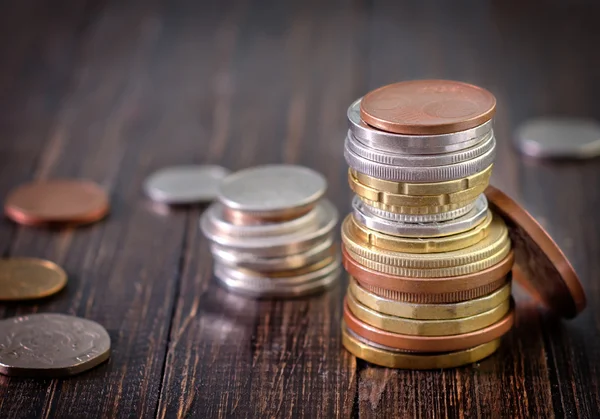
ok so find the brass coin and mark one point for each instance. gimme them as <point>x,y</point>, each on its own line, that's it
<point>436,188</point>
<point>486,248</point>
<point>394,358</point>
<point>400,200</point>
<point>422,245</point>
<point>407,326</point>
<point>410,210</point>
<point>29,278</point>
<point>428,311</point>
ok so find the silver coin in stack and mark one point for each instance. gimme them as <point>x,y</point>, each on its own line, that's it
<point>413,144</point>
<point>365,216</point>
<point>185,184</point>
<point>417,218</point>
<point>51,345</point>
<point>272,190</point>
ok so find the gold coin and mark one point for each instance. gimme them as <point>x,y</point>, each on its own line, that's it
<point>392,358</point>
<point>422,245</point>
<point>437,188</point>
<point>428,311</point>
<point>410,210</point>
<point>29,279</point>
<point>389,198</point>
<point>445,327</point>
<point>489,246</point>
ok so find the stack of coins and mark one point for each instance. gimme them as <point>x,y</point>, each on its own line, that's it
<point>429,263</point>
<point>272,232</point>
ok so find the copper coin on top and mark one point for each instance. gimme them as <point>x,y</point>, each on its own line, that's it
<point>57,201</point>
<point>543,265</point>
<point>427,107</point>
<point>29,278</point>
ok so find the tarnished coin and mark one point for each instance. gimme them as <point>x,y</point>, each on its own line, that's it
<point>51,345</point>
<point>57,201</point>
<point>559,138</point>
<point>29,278</point>
<point>185,184</point>
<point>273,190</point>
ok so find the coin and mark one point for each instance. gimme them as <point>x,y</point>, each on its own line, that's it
<point>427,107</point>
<point>556,137</point>
<point>57,201</point>
<point>422,245</point>
<point>414,144</point>
<point>51,345</point>
<point>417,218</point>
<point>411,210</point>
<point>185,184</point>
<point>29,278</point>
<point>367,217</point>
<point>394,358</point>
<point>435,311</point>
<point>415,343</point>
<point>273,190</point>
<point>437,188</point>
<point>444,327</point>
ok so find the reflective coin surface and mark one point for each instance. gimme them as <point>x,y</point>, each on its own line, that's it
<point>185,184</point>
<point>51,345</point>
<point>29,278</point>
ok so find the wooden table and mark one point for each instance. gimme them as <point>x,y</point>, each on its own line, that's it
<point>113,90</point>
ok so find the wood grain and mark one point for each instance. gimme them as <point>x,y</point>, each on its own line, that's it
<point>112,91</point>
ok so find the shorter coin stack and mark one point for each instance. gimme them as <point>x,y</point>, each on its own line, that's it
<point>272,232</point>
<point>429,263</point>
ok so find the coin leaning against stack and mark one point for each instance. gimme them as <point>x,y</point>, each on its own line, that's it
<point>429,263</point>
<point>272,232</point>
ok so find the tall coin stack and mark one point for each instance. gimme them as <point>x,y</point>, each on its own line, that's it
<point>429,263</point>
<point>272,232</point>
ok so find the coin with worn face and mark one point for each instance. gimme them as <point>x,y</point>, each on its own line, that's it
<point>29,278</point>
<point>51,345</point>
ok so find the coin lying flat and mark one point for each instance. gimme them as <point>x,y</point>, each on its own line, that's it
<point>185,184</point>
<point>29,278</point>
<point>51,345</point>
<point>57,201</point>
<point>417,218</point>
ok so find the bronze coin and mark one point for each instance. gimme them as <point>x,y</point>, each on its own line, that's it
<point>29,278</point>
<point>427,107</point>
<point>543,265</point>
<point>57,201</point>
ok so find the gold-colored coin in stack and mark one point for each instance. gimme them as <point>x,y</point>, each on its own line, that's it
<point>429,263</point>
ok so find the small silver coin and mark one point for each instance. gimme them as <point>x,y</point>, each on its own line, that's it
<point>272,189</point>
<point>559,138</point>
<point>431,229</point>
<point>51,345</point>
<point>417,218</point>
<point>413,144</point>
<point>185,184</point>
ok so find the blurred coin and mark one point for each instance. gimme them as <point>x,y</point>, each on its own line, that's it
<point>29,278</point>
<point>51,345</point>
<point>572,138</point>
<point>57,201</point>
<point>185,184</point>
<point>416,218</point>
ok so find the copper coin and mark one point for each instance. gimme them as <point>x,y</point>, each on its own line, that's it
<point>427,107</point>
<point>57,201</point>
<point>425,286</point>
<point>544,266</point>
<point>429,343</point>
<point>29,278</point>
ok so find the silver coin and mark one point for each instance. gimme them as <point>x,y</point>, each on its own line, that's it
<point>417,218</point>
<point>317,253</point>
<point>419,174</point>
<point>431,229</point>
<point>559,138</point>
<point>425,160</point>
<point>413,144</point>
<point>281,245</point>
<point>271,189</point>
<point>51,345</point>
<point>216,218</point>
<point>185,184</point>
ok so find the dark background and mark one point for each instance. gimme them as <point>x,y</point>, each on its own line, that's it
<point>113,90</point>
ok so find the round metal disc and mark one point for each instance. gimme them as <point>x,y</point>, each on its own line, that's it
<point>559,138</point>
<point>418,218</point>
<point>51,345</point>
<point>185,184</point>
<point>29,278</point>
<point>272,189</point>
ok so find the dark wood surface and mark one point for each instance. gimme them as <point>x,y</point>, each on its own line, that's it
<point>113,90</point>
